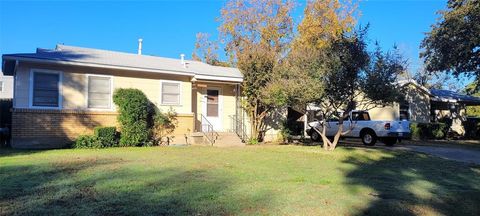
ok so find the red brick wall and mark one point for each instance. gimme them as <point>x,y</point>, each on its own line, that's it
<point>54,128</point>
<point>36,128</point>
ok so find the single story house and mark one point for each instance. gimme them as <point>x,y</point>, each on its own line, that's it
<point>65,92</point>
<point>451,106</point>
<point>61,93</point>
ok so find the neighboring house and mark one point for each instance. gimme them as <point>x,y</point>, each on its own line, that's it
<point>67,91</point>
<point>422,105</point>
<point>6,86</point>
<point>451,106</point>
<point>415,107</point>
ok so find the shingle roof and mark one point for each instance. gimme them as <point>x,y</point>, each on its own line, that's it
<point>447,95</point>
<point>97,57</point>
<point>413,82</point>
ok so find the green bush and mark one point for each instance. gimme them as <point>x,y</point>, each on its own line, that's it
<point>87,141</point>
<point>428,130</point>
<point>252,141</point>
<point>285,133</point>
<point>163,126</point>
<point>107,136</point>
<point>134,108</point>
<point>416,131</point>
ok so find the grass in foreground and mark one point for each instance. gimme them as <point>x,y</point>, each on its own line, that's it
<point>285,180</point>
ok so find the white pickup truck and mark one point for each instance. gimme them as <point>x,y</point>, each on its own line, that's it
<point>359,125</point>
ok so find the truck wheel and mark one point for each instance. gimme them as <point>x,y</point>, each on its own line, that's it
<point>315,136</point>
<point>369,138</point>
<point>390,141</point>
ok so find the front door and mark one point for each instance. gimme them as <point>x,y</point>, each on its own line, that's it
<point>212,109</point>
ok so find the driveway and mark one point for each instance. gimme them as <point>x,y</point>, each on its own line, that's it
<point>453,153</point>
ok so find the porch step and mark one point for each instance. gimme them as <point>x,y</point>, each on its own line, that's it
<point>224,139</point>
<point>228,139</point>
<point>199,139</point>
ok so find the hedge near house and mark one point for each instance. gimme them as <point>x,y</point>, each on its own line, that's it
<point>103,137</point>
<point>134,108</point>
<point>429,130</point>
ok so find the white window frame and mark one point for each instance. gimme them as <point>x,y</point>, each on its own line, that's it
<point>111,108</point>
<point>60,87</point>
<point>179,96</point>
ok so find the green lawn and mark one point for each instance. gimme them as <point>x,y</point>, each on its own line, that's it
<point>262,180</point>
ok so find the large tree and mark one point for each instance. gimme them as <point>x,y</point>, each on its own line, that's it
<point>329,66</point>
<point>473,89</point>
<point>453,44</point>
<point>356,79</point>
<point>206,50</point>
<point>257,34</point>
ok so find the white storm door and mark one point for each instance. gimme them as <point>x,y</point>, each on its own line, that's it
<point>212,109</point>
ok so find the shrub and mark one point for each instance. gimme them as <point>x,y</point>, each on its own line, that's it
<point>472,128</point>
<point>415,130</point>
<point>107,136</point>
<point>428,130</point>
<point>87,141</point>
<point>253,141</point>
<point>285,133</point>
<point>163,126</point>
<point>134,108</point>
<point>439,130</point>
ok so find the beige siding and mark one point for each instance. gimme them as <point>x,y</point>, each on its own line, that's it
<point>74,86</point>
<point>22,86</point>
<point>419,103</point>
<point>384,113</point>
<point>7,86</point>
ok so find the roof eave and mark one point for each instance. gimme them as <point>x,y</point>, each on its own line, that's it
<point>218,78</point>
<point>72,63</point>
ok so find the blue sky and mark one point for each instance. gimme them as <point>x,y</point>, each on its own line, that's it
<point>169,27</point>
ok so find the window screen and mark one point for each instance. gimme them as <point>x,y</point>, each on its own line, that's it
<point>99,92</point>
<point>212,103</point>
<point>170,93</point>
<point>45,89</point>
<point>1,86</point>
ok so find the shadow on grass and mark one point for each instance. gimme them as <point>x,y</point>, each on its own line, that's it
<point>9,152</point>
<point>416,184</point>
<point>105,187</point>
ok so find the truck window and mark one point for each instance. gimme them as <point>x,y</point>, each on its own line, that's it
<point>360,116</point>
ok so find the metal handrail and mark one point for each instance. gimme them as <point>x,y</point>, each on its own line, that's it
<point>210,131</point>
<point>240,128</point>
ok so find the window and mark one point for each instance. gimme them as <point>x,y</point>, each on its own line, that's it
<point>1,86</point>
<point>360,116</point>
<point>46,89</point>
<point>170,93</point>
<point>212,103</point>
<point>404,111</point>
<point>99,92</point>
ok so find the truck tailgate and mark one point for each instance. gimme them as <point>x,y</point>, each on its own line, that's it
<point>400,126</point>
